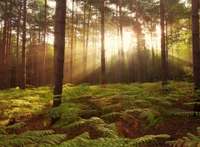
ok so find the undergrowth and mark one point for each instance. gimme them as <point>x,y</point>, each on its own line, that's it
<point>115,113</point>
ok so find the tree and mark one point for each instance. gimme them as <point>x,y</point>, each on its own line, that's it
<point>44,45</point>
<point>163,52</point>
<point>23,81</point>
<point>18,42</point>
<point>59,52</point>
<point>103,64</point>
<point>196,51</point>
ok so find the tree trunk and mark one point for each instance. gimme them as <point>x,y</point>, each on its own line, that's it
<point>84,48</point>
<point>72,45</point>
<point>196,51</point>
<point>163,52</point>
<point>138,33</point>
<point>17,48</point>
<point>23,81</point>
<point>59,52</point>
<point>121,65</point>
<point>43,74</point>
<point>103,64</point>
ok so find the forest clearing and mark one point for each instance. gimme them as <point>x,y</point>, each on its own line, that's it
<point>120,115</point>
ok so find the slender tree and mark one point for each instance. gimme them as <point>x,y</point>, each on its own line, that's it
<point>59,52</point>
<point>103,64</point>
<point>138,34</point>
<point>43,77</point>
<point>163,52</point>
<point>72,45</point>
<point>18,42</point>
<point>196,51</point>
<point>23,81</point>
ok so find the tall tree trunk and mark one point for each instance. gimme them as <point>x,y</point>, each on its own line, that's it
<point>163,52</point>
<point>153,58</point>
<point>138,33</point>
<point>4,47</point>
<point>196,51</point>
<point>43,74</point>
<point>8,52</point>
<point>84,46</point>
<point>103,61</point>
<point>17,48</point>
<point>72,45</point>
<point>23,81</point>
<point>87,39</point>
<point>59,52</point>
<point>121,65</point>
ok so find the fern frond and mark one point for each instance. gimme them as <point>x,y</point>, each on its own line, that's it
<point>40,133</point>
<point>3,131</point>
<point>90,112</point>
<point>144,140</point>
<point>111,116</point>
<point>65,109</point>
<point>80,140</point>
<point>53,139</point>
<point>16,126</point>
<point>190,140</point>
<point>98,124</point>
<point>13,140</point>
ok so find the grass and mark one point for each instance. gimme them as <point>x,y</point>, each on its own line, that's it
<point>119,114</point>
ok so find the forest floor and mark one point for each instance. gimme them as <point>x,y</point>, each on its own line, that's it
<point>177,125</point>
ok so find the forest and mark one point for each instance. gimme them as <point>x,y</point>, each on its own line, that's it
<point>98,73</point>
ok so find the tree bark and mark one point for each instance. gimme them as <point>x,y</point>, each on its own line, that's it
<point>23,81</point>
<point>103,64</point>
<point>196,52</point>
<point>59,52</point>
<point>17,48</point>
<point>163,52</point>
<point>72,45</point>
<point>43,74</point>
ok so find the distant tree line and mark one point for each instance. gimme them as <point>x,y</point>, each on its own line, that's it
<point>27,43</point>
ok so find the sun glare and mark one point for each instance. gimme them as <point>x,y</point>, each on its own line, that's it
<point>113,43</point>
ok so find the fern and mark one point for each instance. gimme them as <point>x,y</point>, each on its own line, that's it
<point>147,139</point>
<point>190,140</point>
<point>16,126</point>
<point>65,109</point>
<point>32,138</point>
<point>98,124</point>
<point>84,141</point>
<point>80,140</point>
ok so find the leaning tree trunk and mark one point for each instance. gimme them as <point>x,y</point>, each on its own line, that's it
<point>196,51</point>
<point>59,52</point>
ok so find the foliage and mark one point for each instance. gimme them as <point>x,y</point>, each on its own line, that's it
<point>190,140</point>
<point>20,103</point>
<point>113,113</point>
<point>29,138</point>
<point>84,141</point>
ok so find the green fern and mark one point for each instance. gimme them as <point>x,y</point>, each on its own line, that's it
<point>147,139</point>
<point>32,138</point>
<point>98,124</point>
<point>190,140</point>
<point>16,126</point>
<point>80,140</point>
<point>84,141</point>
<point>65,109</point>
